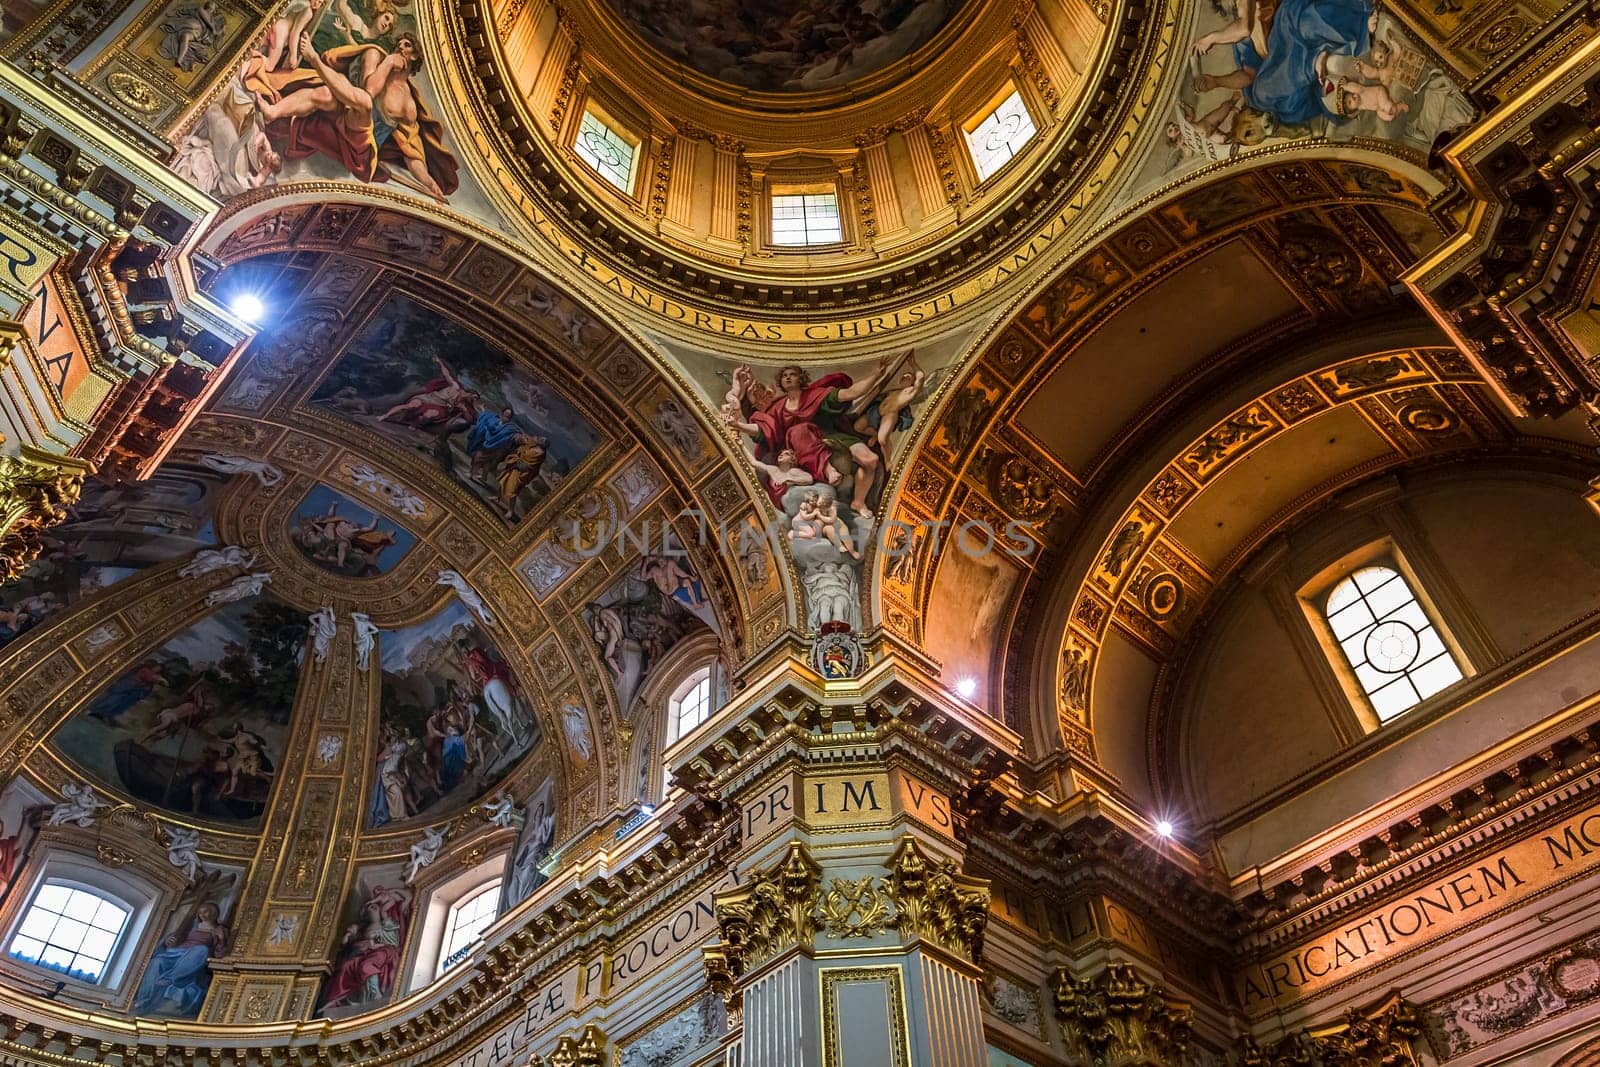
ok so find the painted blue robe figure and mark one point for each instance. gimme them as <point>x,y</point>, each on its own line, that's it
<point>1291,81</point>
<point>126,692</point>
<point>492,433</point>
<point>179,974</point>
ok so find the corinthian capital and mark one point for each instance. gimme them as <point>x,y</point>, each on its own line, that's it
<point>36,489</point>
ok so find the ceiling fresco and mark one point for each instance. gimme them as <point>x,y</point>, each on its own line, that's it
<point>352,569</point>
<point>778,46</point>
<point>332,91</point>
<point>429,384</point>
<point>1272,74</point>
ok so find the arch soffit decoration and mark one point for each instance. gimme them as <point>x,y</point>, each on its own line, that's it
<point>468,264</point>
<point>1290,206</point>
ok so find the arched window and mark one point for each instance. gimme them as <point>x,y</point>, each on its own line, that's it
<point>1394,649</point>
<point>469,918</point>
<point>70,929</point>
<point>689,705</point>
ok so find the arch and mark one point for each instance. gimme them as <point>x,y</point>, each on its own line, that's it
<point>1584,1055</point>
<point>1309,227</point>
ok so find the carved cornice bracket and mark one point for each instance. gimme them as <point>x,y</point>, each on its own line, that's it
<point>36,489</point>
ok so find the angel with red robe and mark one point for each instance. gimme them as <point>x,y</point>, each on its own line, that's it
<point>822,423</point>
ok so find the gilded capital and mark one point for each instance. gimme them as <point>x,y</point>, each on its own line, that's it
<point>1118,1018</point>
<point>36,490</point>
<point>936,902</point>
<point>1383,1035</point>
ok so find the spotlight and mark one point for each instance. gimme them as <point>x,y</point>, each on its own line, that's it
<point>967,686</point>
<point>248,306</point>
<point>1164,827</point>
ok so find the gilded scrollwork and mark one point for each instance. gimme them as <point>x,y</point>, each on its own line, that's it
<point>36,490</point>
<point>855,907</point>
<point>1117,1018</point>
<point>937,903</point>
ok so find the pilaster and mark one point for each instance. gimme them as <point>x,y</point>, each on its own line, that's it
<point>296,893</point>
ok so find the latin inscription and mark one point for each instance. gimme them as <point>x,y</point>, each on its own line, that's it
<point>1530,866</point>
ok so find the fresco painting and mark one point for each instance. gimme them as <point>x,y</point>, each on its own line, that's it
<point>536,833</point>
<point>454,718</point>
<point>367,957</point>
<point>343,537</point>
<point>823,448</point>
<point>639,619</point>
<point>177,975</point>
<point>1263,73</point>
<point>780,46</point>
<point>198,726</point>
<point>429,384</point>
<point>334,89</point>
<point>23,809</point>
<point>114,531</point>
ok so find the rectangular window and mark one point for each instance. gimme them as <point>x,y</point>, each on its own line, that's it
<point>69,930</point>
<point>606,149</point>
<point>999,135</point>
<point>800,219</point>
<point>468,919</point>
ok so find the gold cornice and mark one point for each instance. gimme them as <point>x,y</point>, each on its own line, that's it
<point>673,304</point>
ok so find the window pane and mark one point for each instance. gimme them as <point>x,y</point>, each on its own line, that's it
<point>1369,578</point>
<point>1393,699</point>
<point>97,943</point>
<point>1390,643</point>
<point>1343,594</point>
<point>606,150</point>
<point>800,219</point>
<point>1435,675</point>
<point>70,930</point>
<point>26,947</point>
<point>1353,618</point>
<point>1387,597</point>
<point>52,897</point>
<point>1001,135</point>
<point>38,923</point>
<point>468,919</point>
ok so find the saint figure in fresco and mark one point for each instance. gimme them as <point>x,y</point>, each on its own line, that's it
<point>810,423</point>
<point>357,104</point>
<point>369,956</point>
<point>1297,60</point>
<point>177,978</point>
